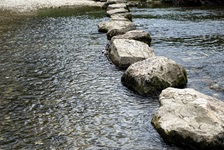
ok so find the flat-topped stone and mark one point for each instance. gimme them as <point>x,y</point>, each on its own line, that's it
<point>122,16</point>
<point>116,1</point>
<point>120,30</point>
<point>139,35</point>
<point>109,2</point>
<point>116,11</point>
<point>109,25</point>
<point>116,6</point>
<point>190,119</point>
<point>124,52</point>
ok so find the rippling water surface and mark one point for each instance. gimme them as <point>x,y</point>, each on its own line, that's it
<point>58,91</point>
<point>194,38</point>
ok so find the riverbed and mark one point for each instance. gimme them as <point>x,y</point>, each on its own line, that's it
<point>59,91</point>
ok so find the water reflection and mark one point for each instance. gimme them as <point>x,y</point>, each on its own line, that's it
<point>58,91</point>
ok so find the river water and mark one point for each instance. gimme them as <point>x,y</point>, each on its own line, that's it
<point>58,91</point>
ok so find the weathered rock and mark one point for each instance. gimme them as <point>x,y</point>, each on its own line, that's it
<point>117,1</point>
<point>109,2</point>
<point>124,52</point>
<point>133,3</point>
<point>122,16</point>
<point>139,35</point>
<point>120,30</point>
<point>109,25</point>
<point>190,119</point>
<point>116,6</point>
<point>218,86</point>
<point>116,11</point>
<point>149,77</point>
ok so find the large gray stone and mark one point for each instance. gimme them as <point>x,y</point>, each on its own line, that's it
<point>139,35</point>
<point>109,2</point>
<point>124,52</point>
<point>116,6</point>
<point>116,11</point>
<point>117,1</point>
<point>149,77</point>
<point>109,25</point>
<point>120,30</point>
<point>190,119</point>
<point>122,16</point>
<point>133,3</point>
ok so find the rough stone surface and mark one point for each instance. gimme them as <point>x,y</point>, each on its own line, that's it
<point>119,17</point>
<point>117,1</point>
<point>189,118</point>
<point>109,2</point>
<point>120,30</point>
<point>116,11</point>
<point>122,16</point>
<point>109,25</point>
<point>133,3</point>
<point>139,35</point>
<point>149,77</point>
<point>116,6</point>
<point>124,52</point>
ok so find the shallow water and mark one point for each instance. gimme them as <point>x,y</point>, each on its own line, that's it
<point>58,91</point>
<point>194,38</point>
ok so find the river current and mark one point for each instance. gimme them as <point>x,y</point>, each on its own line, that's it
<point>59,91</point>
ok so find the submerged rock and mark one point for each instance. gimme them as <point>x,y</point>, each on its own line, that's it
<point>149,77</point>
<point>139,35</point>
<point>124,52</point>
<point>218,86</point>
<point>190,119</point>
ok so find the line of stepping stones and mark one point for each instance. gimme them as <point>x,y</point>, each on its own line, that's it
<point>130,49</point>
<point>186,117</point>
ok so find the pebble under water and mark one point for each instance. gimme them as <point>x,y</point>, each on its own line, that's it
<point>58,91</point>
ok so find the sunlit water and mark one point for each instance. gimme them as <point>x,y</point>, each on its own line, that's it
<point>58,91</point>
